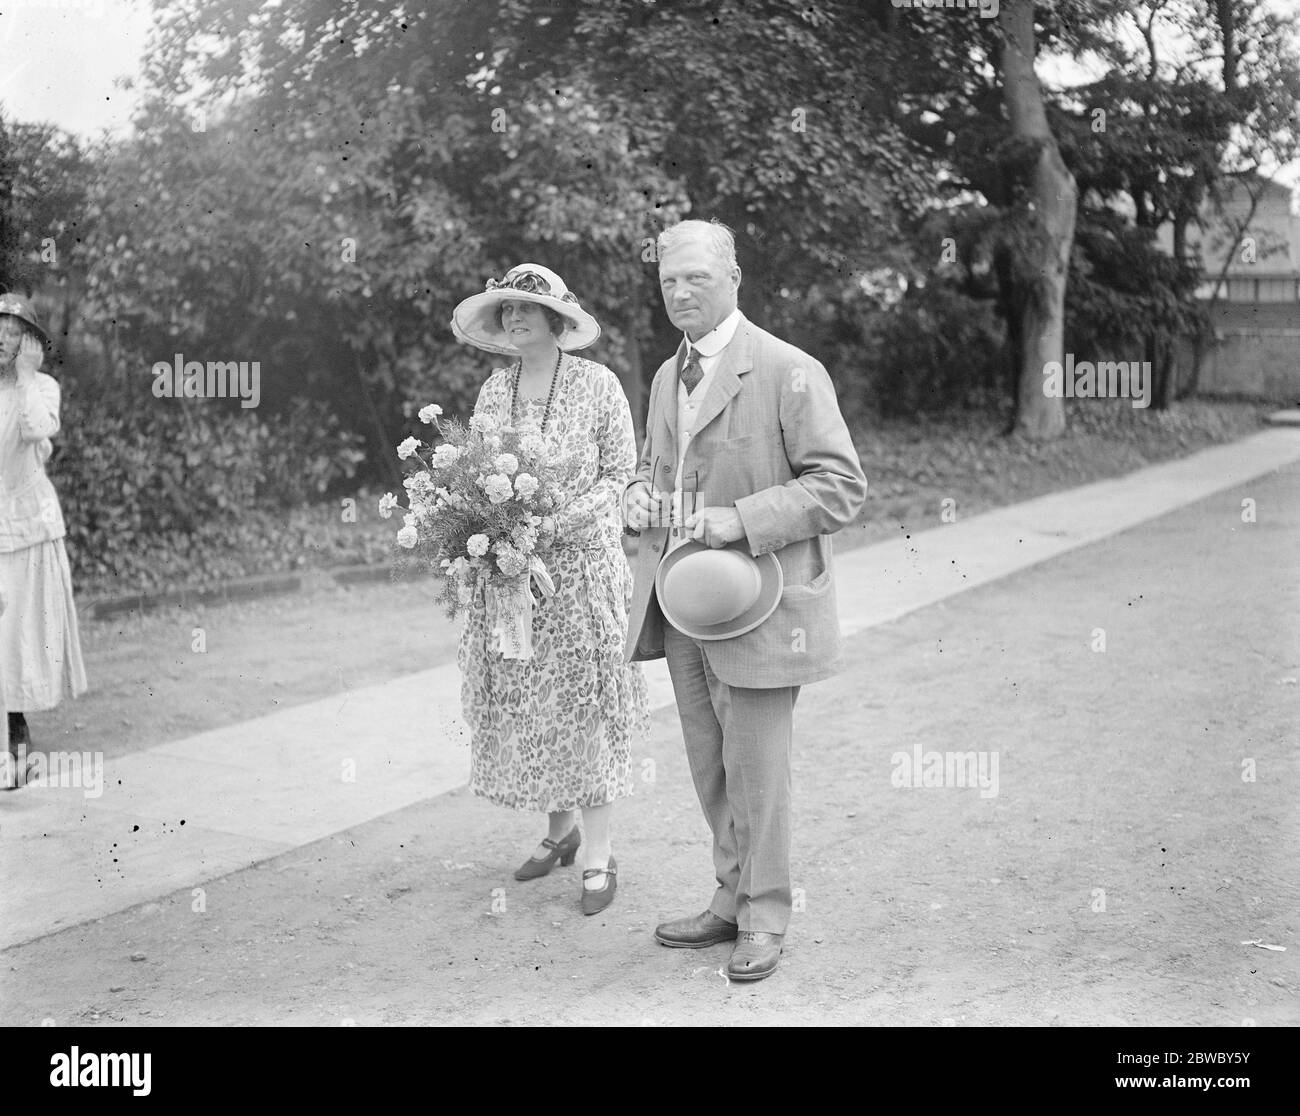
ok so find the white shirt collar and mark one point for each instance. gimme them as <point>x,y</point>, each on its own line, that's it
<point>719,337</point>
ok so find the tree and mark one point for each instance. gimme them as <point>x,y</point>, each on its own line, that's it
<point>52,218</point>
<point>1182,132</point>
<point>412,173</point>
<point>769,116</point>
<point>1003,220</point>
<point>1050,201</point>
<point>320,181</point>
<point>1260,76</point>
<point>1143,142</point>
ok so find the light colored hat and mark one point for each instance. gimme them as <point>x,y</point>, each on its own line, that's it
<point>477,320</point>
<point>717,593</point>
<point>21,309</point>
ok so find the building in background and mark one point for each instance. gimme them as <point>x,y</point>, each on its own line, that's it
<point>1255,350</point>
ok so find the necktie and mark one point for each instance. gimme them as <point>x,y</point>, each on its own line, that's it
<point>691,373</point>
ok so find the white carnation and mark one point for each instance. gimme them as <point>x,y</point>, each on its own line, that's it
<point>498,488</point>
<point>445,455</point>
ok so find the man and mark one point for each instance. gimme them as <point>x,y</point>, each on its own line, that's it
<point>746,434</point>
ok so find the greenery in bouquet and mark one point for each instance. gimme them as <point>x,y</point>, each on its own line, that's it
<point>481,503</point>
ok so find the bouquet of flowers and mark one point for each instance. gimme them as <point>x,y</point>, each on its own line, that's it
<point>479,510</point>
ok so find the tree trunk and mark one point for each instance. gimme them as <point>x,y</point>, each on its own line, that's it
<point>1223,16</point>
<point>387,446</point>
<point>1053,199</point>
<point>1162,373</point>
<point>1011,301</point>
<point>1184,384</point>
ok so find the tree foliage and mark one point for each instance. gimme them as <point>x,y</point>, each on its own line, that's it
<point>314,185</point>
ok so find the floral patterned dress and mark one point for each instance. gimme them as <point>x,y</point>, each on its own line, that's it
<point>554,732</point>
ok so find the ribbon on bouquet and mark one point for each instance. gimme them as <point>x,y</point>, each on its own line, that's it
<point>510,609</point>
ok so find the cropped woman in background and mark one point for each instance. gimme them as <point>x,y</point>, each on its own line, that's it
<point>40,649</point>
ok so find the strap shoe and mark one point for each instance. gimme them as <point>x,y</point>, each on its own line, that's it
<point>593,902</point>
<point>563,850</point>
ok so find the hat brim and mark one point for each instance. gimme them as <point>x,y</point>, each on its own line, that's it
<point>477,321</point>
<point>771,585</point>
<point>45,337</point>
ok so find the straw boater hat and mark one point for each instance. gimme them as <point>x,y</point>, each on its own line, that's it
<point>717,593</point>
<point>21,309</point>
<point>477,320</point>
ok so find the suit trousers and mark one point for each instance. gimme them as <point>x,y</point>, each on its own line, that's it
<point>738,748</point>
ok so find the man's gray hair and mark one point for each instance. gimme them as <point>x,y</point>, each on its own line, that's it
<point>719,238</point>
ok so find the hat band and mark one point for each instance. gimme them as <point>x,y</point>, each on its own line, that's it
<point>529,282</point>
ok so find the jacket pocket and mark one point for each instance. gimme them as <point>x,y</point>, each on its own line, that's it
<point>815,564</point>
<point>815,588</point>
<point>730,445</point>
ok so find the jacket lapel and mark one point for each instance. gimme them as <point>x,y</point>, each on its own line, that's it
<point>670,411</point>
<point>736,359</point>
<point>666,424</point>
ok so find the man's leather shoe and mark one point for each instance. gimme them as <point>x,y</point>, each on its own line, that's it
<point>756,955</point>
<point>695,932</point>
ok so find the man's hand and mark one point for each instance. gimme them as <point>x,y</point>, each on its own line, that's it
<point>715,527</point>
<point>31,354</point>
<point>641,507</point>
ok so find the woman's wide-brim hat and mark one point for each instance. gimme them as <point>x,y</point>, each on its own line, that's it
<point>717,593</point>
<point>477,320</point>
<point>21,309</point>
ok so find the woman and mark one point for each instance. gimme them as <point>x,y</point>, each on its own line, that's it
<point>554,732</point>
<point>40,650</point>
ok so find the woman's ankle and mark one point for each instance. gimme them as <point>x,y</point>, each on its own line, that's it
<point>559,826</point>
<point>597,857</point>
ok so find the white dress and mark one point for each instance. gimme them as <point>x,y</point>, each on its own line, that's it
<point>40,649</point>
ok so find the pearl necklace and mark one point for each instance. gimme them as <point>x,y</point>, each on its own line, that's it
<point>550,395</point>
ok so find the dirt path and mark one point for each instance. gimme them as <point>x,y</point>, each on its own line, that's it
<point>1119,772</point>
